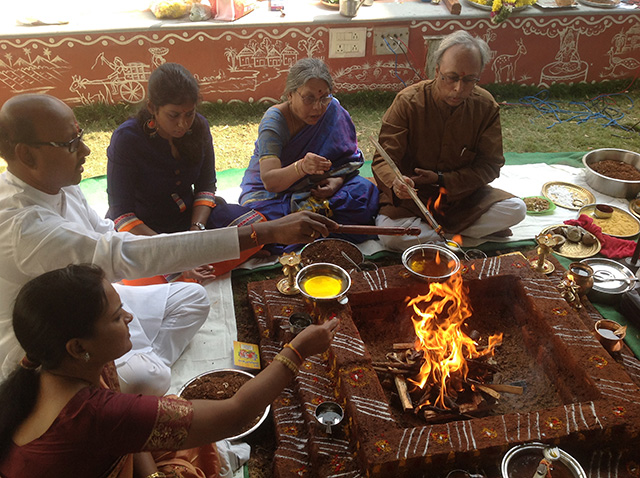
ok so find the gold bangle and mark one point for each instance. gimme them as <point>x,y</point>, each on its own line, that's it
<point>297,166</point>
<point>254,236</point>
<point>156,474</point>
<point>289,346</point>
<point>287,363</point>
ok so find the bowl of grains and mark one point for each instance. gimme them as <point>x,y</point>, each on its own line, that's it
<point>219,385</point>
<point>614,172</point>
<point>539,205</point>
<point>332,251</point>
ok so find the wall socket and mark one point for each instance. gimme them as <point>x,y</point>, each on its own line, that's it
<point>347,42</point>
<point>394,36</point>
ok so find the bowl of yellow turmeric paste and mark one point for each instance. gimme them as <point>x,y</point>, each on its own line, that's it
<point>324,281</point>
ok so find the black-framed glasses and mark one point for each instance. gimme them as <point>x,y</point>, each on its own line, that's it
<point>312,100</point>
<point>72,145</point>
<point>452,79</point>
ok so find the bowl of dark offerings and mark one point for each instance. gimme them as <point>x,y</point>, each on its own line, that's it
<point>430,262</point>
<point>219,385</point>
<point>614,172</point>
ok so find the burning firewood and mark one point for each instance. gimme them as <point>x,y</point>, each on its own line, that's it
<point>405,399</point>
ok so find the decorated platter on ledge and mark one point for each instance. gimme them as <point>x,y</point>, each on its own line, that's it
<point>552,4</point>
<point>600,4</point>
<point>330,4</point>
<point>489,5</point>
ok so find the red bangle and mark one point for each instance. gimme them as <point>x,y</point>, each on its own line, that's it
<point>254,236</point>
<point>289,346</point>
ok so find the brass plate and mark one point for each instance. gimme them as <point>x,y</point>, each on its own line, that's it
<point>634,207</point>
<point>567,195</point>
<point>620,224</point>
<point>574,250</point>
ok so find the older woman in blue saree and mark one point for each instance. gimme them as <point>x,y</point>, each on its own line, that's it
<point>306,156</point>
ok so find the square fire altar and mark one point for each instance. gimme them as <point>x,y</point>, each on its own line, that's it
<point>569,390</point>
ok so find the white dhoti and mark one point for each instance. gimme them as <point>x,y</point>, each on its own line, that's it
<point>502,215</point>
<point>165,319</point>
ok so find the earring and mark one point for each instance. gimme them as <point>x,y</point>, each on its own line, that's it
<point>150,127</point>
<point>86,357</point>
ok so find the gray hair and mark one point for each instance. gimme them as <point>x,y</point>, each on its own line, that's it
<point>463,38</point>
<point>305,70</point>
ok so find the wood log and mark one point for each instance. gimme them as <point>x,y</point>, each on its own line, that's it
<point>405,399</point>
<point>403,346</point>
<point>453,6</point>
<point>392,371</point>
<point>489,391</point>
<point>502,387</point>
<point>400,365</point>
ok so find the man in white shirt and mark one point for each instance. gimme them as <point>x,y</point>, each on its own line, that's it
<point>46,223</point>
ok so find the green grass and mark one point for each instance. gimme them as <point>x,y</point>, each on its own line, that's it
<point>526,128</point>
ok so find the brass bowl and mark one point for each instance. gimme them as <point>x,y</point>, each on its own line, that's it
<point>430,262</point>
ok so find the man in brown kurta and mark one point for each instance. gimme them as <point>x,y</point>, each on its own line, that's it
<point>445,137</point>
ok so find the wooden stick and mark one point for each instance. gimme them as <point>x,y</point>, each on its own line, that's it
<point>392,371</point>
<point>412,192</point>
<point>378,230</point>
<point>403,346</point>
<point>487,390</point>
<point>405,399</point>
<point>499,387</point>
<point>401,365</point>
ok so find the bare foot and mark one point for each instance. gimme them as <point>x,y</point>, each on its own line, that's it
<point>504,233</point>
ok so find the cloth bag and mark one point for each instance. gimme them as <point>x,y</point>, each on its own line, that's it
<point>231,10</point>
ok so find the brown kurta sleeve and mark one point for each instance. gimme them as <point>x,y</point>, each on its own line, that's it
<point>465,144</point>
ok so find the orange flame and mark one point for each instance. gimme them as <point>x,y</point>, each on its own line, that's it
<point>438,321</point>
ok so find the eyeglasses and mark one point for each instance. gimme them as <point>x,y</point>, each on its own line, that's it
<point>312,100</point>
<point>452,79</point>
<point>72,145</point>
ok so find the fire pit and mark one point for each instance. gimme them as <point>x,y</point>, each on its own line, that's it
<point>534,372</point>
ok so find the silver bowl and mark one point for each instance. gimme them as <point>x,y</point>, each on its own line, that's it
<point>430,262</point>
<point>617,188</point>
<point>240,372</point>
<point>324,269</point>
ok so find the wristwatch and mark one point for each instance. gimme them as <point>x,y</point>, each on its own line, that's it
<point>440,181</point>
<point>199,225</point>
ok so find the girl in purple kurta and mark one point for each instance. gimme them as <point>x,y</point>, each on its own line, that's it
<point>161,174</point>
<point>307,156</point>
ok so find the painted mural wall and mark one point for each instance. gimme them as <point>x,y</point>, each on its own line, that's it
<point>250,64</point>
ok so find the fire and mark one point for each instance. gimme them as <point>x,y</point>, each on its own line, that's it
<point>438,321</point>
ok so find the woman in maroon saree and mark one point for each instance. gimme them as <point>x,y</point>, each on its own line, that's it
<point>61,414</point>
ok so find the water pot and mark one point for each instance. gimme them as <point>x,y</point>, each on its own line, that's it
<point>349,8</point>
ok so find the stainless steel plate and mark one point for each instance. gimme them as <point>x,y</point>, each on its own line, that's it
<point>610,276</point>
<point>600,5</point>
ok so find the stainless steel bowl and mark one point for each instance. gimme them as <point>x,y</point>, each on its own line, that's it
<point>264,415</point>
<point>617,188</point>
<point>430,262</point>
<point>518,457</point>
<point>324,269</point>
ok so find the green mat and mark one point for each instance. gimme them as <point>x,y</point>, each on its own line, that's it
<point>95,189</point>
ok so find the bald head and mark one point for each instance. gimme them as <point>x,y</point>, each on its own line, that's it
<point>24,116</point>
